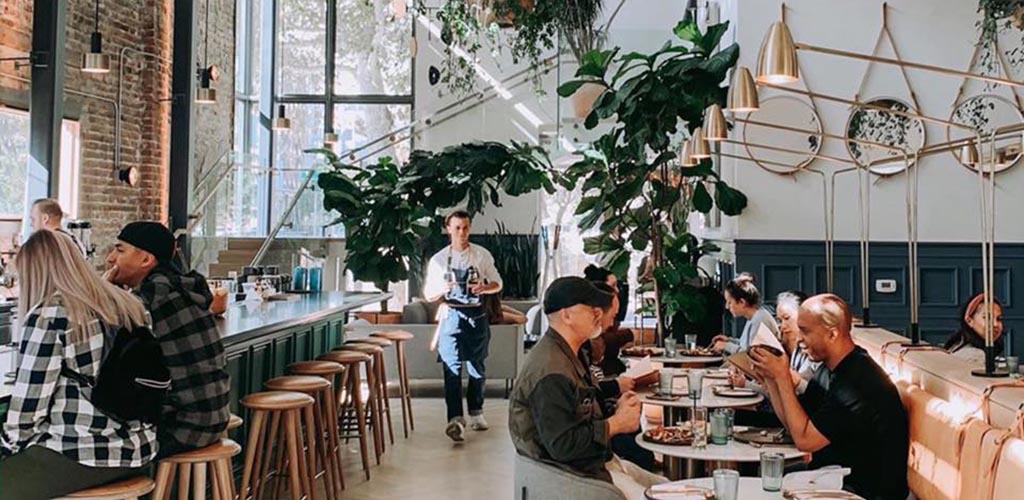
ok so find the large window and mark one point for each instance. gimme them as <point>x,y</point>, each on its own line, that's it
<point>361,92</point>
<point>14,160</point>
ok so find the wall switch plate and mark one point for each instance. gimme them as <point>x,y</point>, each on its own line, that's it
<point>885,286</point>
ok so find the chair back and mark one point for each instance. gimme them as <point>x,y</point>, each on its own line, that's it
<point>535,480</point>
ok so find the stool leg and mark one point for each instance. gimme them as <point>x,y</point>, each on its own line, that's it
<point>199,485</point>
<point>374,408</point>
<point>164,480</point>
<point>251,459</point>
<point>333,444</point>
<point>403,384</point>
<point>309,460</point>
<point>291,427</point>
<point>214,484</point>
<point>262,466</point>
<point>381,369</point>
<point>222,469</point>
<point>184,479</point>
<point>325,450</point>
<point>356,393</point>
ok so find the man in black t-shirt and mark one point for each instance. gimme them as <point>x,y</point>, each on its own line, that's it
<point>851,414</point>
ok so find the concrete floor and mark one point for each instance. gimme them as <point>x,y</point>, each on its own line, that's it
<point>428,465</point>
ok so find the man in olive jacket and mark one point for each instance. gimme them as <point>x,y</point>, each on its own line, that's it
<point>555,413</point>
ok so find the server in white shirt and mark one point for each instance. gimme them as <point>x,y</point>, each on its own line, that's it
<point>459,275</point>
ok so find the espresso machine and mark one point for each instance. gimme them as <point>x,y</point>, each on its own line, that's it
<point>82,230</point>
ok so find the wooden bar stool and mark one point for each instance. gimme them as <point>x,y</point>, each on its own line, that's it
<point>348,395</point>
<point>374,405</point>
<point>192,466</point>
<point>382,377</point>
<point>320,464</point>
<point>128,489</point>
<point>233,423</point>
<point>329,371</point>
<point>285,411</point>
<point>400,337</point>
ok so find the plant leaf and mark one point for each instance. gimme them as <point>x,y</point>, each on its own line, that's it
<point>701,199</point>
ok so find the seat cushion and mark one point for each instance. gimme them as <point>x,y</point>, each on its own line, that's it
<point>934,460</point>
<point>1010,471</point>
<point>419,312</point>
<point>982,445</point>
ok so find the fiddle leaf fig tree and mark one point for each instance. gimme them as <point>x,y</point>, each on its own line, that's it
<point>388,209</point>
<point>635,191</point>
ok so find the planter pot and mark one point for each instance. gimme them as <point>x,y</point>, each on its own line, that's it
<point>381,318</point>
<point>584,98</point>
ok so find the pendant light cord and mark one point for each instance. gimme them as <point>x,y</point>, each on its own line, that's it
<point>206,38</point>
<point>97,25</point>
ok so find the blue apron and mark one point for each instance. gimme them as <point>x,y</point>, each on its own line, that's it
<point>465,332</point>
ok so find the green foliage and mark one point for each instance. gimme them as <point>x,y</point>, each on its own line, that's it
<point>633,187</point>
<point>516,257</point>
<point>390,210</point>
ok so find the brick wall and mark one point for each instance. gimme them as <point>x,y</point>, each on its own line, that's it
<point>141,25</point>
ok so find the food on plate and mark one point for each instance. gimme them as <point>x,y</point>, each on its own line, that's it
<point>698,351</point>
<point>641,351</point>
<point>669,435</point>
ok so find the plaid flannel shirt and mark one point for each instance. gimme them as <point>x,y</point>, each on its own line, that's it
<point>196,410</point>
<point>51,410</point>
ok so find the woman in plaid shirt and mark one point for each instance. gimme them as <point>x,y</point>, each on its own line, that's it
<point>55,441</point>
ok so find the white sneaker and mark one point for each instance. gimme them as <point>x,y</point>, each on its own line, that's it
<point>477,423</point>
<point>456,429</point>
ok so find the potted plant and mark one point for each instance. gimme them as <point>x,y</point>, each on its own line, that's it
<point>387,209</point>
<point>634,189</point>
<point>998,15</point>
<point>582,35</point>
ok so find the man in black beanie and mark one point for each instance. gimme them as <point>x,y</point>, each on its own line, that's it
<point>196,410</point>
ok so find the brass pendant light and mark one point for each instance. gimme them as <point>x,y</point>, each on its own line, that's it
<point>208,74</point>
<point>95,61</point>
<point>281,122</point>
<point>715,128</point>
<point>969,154</point>
<point>743,92</point>
<point>776,62</point>
<point>700,147</point>
<point>330,139</point>
<point>687,154</point>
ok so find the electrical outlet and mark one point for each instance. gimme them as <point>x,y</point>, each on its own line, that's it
<point>885,286</point>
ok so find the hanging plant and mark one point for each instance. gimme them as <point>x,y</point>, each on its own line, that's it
<point>997,16</point>
<point>464,29</point>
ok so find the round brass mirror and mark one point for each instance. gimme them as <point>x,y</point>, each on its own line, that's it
<point>785,111</point>
<point>985,113</point>
<point>871,124</point>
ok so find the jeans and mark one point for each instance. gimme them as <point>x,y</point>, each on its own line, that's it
<point>463,341</point>
<point>39,473</point>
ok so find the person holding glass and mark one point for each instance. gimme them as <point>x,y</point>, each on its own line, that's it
<point>743,300</point>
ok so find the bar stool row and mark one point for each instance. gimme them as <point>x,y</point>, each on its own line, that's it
<point>297,428</point>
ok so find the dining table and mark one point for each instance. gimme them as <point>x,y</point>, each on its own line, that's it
<point>686,460</point>
<point>675,405</point>
<point>749,489</point>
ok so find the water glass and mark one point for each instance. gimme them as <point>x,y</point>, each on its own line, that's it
<point>1013,365</point>
<point>695,383</point>
<point>727,484</point>
<point>719,427</point>
<point>772,464</point>
<point>690,340</point>
<point>665,381</point>
<point>731,415</point>
<point>699,427</point>
<point>670,347</point>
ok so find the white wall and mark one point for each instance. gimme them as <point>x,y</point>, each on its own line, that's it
<point>641,25</point>
<point>937,32</point>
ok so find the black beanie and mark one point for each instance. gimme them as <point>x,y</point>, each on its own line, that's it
<point>152,237</point>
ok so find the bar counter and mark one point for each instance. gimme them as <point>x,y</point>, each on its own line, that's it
<point>262,338</point>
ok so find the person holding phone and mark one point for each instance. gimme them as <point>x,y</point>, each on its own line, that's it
<point>458,276</point>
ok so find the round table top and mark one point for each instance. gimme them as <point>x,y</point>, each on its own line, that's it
<point>708,398</point>
<point>750,488</point>
<point>682,360</point>
<point>734,451</point>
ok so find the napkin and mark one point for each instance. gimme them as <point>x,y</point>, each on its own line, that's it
<point>826,478</point>
<point>764,336</point>
<point>640,368</point>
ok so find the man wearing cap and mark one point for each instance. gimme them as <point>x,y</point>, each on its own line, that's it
<point>555,411</point>
<point>196,409</point>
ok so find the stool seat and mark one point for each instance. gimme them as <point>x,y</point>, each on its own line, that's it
<point>298,383</point>
<point>378,341</point>
<point>321,368</point>
<point>277,400</point>
<point>395,335</point>
<point>128,488</point>
<point>234,422</point>
<point>363,348</point>
<point>226,448</point>
<point>344,357</point>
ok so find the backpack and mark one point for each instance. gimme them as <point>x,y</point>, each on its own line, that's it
<point>133,379</point>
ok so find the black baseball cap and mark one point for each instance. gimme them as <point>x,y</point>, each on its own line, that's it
<point>152,237</point>
<point>573,290</point>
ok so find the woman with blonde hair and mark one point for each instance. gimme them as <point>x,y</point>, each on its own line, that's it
<point>55,441</point>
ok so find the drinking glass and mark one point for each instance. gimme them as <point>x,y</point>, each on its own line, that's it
<point>772,464</point>
<point>719,427</point>
<point>727,484</point>
<point>690,340</point>
<point>699,427</point>
<point>1013,365</point>
<point>670,347</point>
<point>665,381</point>
<point>695,381</point>
<point>730,415</point>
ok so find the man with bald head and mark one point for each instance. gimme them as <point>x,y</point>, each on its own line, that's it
<point>851,413</point>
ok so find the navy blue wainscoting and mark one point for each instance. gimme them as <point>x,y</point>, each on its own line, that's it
<point>950,273</point>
